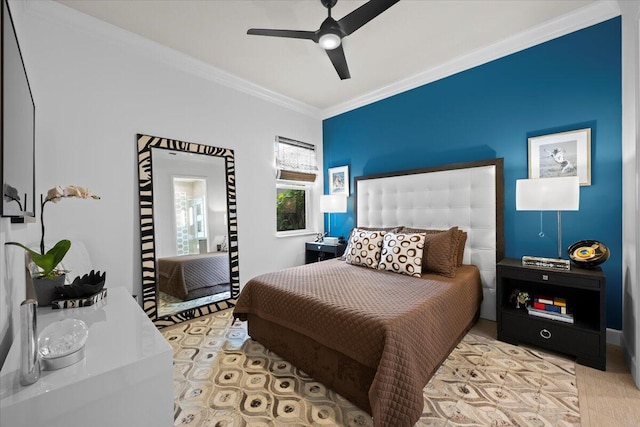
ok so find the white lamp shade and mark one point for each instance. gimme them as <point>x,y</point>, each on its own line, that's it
<point>333,203</point>
<point>548,194</point>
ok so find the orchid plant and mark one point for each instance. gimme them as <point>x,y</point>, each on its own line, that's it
<point>48,261</point>
<point>11,194</point>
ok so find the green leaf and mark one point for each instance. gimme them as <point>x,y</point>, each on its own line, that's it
<point>59,251</point>
<point>50,260</point>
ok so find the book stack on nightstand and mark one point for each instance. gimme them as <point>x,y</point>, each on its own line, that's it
<point>550,308</point>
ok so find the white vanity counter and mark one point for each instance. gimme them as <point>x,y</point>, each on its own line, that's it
<point>125,378</point>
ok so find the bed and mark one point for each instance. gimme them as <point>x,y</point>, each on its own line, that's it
<point>193,276</point>
<point>376,337</point>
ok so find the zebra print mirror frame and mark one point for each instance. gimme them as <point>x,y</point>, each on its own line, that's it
<point>148,245</point>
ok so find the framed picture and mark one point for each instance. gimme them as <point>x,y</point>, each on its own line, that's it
<point>561,154</point>
<point>339,180</point>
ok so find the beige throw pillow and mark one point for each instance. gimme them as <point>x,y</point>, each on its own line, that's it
<point>364,248</point>
<point>385,229</point>
<point>402,253</point>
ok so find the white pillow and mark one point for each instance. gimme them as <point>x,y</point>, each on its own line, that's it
<point>364,248</point>
<point>402,253</point>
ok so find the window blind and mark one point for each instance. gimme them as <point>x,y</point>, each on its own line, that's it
<point>295,160</point>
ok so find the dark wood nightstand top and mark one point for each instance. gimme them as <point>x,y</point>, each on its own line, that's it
<point>515,262</point>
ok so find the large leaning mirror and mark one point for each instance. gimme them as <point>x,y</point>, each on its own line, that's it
<point>188,229</point>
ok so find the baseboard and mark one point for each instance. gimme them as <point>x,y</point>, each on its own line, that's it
<point>614,336</point>
<point>630,360</point>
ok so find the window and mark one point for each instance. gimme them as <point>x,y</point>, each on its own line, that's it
<point>291,208</point>
<point>296,170</point>
<point>295,160</point>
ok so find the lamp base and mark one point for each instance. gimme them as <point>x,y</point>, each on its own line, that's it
<point>550,263</point>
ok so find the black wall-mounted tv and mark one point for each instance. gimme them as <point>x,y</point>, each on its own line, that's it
<point>17,147</point>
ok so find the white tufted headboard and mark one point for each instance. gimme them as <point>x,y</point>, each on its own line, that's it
<point>469,195</point>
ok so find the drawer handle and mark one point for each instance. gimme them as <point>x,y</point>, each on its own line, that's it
<point>544,333</point>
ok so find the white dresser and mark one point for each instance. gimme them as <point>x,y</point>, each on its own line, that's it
<point>125,378</point>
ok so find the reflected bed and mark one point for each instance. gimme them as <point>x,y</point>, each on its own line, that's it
<point>193,276</point>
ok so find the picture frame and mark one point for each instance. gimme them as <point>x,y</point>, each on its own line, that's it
<point>339,180</point>
<point>561,154</point>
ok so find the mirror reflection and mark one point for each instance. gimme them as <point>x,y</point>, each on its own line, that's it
<point>190,230</point>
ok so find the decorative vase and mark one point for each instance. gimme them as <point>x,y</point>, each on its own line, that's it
<point>588,253</point>
<point>46,289</point>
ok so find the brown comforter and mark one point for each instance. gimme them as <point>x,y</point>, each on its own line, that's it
<point>402,326</point>
<point>182,275</point>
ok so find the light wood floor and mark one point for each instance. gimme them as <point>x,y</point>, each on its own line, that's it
<point>607,399</point>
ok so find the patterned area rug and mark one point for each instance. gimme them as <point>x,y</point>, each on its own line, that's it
<point>222,378</point>
<point>168,304</point>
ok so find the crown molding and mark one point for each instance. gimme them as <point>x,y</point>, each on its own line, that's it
<point>581,18</point>
<point>584,17</point>
<point>630,8</point>
<point>56,12</point>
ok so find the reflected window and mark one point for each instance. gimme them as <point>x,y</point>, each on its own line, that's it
<point>189,195</point>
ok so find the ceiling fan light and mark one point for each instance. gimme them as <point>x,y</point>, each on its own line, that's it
<point>329,41</point>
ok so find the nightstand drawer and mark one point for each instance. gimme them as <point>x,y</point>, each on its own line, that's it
<point>551,334</point>
<point>320,251</point>
<point>550,276</point>
<point>322,247</point>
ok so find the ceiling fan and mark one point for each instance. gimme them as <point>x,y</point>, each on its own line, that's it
<point>331,32</point>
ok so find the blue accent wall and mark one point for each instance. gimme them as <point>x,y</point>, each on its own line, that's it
<point>568,83</point>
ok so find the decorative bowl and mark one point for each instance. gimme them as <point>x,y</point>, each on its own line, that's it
<point>85,286</point>
<point>62,343</point>
<point>588,253</point>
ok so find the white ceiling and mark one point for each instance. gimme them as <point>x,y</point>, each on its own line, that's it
<point>409,38</point>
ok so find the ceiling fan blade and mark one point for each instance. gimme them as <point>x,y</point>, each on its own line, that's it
<point>293,34</point>
<point>339,62</point>
<point>364,14</point>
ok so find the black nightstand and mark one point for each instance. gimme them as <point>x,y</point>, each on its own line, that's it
<point>584,292</point>
<point>320,251</point>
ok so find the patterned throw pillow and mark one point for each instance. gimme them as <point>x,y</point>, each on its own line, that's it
<point>394,229</point>
<point>402,253</point>
<point>364,248</point>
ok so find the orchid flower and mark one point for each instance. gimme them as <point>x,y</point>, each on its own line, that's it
<point>49,260</point>
<point>54,195</point>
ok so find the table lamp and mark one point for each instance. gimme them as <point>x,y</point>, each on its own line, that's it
<point>333,203</point>
<point>549,194</point>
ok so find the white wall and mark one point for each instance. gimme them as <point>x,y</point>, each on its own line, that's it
<point>12,282</point>
<point>165,168</point>
<point>94,92</point>
<point>631,190</point>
